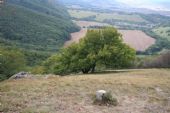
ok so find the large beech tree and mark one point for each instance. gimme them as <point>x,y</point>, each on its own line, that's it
<point>99,47</point>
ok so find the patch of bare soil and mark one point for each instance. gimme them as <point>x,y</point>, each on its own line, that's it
<point>134,38</point>
<point>75,37</point>
<point>137,39</point>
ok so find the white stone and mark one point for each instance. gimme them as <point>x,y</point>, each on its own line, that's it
<point>100,94</point>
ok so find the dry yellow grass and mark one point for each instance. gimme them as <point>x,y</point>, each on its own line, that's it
<point>139,91</point>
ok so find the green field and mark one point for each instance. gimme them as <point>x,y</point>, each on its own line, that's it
<point>163,32</point>
<point>81,14</point>
<point>102,16</point>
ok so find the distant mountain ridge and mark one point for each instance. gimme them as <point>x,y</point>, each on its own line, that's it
<point>98,3</point>
<point>124,5</point>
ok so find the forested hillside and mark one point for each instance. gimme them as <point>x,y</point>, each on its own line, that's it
<point>30,31</point>
<point>41,25</point>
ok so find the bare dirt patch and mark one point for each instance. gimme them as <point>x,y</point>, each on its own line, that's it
<point>134,38</point>
<point>75,37</point>
<point>137,39</point>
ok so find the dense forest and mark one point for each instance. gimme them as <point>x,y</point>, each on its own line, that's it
<point>31,30</point>
<point>35,25</point>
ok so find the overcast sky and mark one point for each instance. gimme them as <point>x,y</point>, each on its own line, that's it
<point>144,1</point>
<point>160,4</point>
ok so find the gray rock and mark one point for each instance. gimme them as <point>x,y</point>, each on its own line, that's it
<point>21,75</point>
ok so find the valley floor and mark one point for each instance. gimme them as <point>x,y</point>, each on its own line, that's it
<point>138,91</point>
<point>136,39</point>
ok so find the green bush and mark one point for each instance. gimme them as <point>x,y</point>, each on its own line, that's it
<point>38,70</point>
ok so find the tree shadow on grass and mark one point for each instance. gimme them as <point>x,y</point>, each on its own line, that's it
<point>112,71</point>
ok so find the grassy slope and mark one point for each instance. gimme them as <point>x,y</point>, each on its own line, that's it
<point>35,24</point>
<point>141,91</point>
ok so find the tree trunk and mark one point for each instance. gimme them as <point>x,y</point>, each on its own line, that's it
<point>93,68</point>
<point>85,71</point>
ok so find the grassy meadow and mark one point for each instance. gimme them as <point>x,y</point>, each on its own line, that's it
<point>138,91</point>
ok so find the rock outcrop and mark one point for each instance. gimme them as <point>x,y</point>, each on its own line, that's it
<point>21,75</point>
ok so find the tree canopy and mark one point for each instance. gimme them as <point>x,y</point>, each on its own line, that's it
<point>99,47</point>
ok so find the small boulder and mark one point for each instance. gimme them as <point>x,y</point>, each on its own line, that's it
<point>105,98</point>
<point>21,75</point>
<point>100,94</point>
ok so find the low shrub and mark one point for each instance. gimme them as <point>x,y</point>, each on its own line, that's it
<point>153,61</point>
<point>162,61</point>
